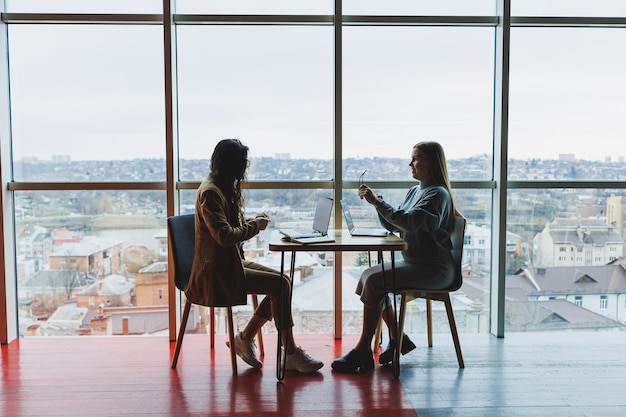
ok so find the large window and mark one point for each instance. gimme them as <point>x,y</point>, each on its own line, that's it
<point>406,84</point>
<point>270,86</point>
<point>67,111</point>
<point>567,104</point>
<point>111,110</point>
<point>83,252</point>
<point>565,150</point>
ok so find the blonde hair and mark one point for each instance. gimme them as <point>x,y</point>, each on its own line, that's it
<point>438,169</point>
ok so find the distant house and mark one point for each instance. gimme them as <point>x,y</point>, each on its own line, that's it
<point>477,245</point>
<point>598,289</point>
<point>111,291</point>
<point>33,242</point>
<point>577,241</point>
<point>96,258</point>
<point>553,315</point>
<point>64,235</point>
<point>161,243</point>
<point>151,285</point>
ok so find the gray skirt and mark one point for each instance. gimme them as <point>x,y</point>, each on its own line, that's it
<point>373,289</point>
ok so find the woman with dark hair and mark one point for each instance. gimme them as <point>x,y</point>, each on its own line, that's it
<point>220,275</point>
<point>424,220</point>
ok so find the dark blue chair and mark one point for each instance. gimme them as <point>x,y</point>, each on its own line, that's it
<point>181,238</point>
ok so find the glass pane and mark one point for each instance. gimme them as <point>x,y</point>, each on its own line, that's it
<point>567,99</point>
<point>563,254</point>
<point>596,8</point>
<point>470,303</point>
<point>87,93</point>
<point>91,262</point>
<point>313,278</point>
<point>442,90</point>
<point>271,87</point>
<point>420,8</point>
<point>84,6</point>
<point>255,7</point>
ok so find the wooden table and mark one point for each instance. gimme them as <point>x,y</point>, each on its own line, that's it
<point>343,242</point>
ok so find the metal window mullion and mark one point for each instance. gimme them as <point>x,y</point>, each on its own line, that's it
<point>338,163</point>
<point>500,158</point>
<point>171,154</point>
<point>567,184</point>
<point>9,330</point>
<point>85,186</point>
<point>252,19</point>
<point>82,18</point>
<point>354,20</point>
<point>576,21</point>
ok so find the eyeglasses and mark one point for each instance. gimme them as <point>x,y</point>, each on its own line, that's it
<point>361,178</point>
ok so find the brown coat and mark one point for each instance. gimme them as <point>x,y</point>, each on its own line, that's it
<point>217,274</point>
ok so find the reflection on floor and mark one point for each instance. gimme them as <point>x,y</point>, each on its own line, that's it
<point>524,374</point>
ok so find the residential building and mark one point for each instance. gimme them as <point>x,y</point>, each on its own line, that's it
<point>110,291</point>
<point>598,289</point>
<point>96,258</point>
<point>151,285</point>
<point>574,241</point>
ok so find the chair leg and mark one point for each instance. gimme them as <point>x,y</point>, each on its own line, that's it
<point>181,332</point>
<point>259,335</point>
<point>455,335</point>
<point>429,321</point>
<point>378,336</point>
<point>231,338</point>
<point>212,325</point>
<point>403,301</point>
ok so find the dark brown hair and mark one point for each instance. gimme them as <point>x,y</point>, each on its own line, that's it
<point>228,168</point>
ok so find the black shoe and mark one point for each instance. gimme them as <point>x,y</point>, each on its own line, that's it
<point>354,362</point>
<point>387,356</point>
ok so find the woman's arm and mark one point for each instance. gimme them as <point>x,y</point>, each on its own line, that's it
<point>214,215</point>
<point>426,210</point>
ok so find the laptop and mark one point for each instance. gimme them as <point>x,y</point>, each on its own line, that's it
<point>360,231</point>
<point>319,231</point>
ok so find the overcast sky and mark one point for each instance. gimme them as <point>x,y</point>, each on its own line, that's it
<point>273,87</point>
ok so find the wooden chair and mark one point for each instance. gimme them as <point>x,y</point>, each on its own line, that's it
<point>181,238</point>
<point>457,237</point>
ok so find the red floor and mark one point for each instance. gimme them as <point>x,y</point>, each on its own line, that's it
<point>131,376</point>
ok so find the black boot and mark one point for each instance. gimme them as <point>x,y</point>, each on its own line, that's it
<point>387,356</point>
<point>353,362</point>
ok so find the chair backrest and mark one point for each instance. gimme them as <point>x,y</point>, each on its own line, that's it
<point>181,234</point>
<point>457,237</point>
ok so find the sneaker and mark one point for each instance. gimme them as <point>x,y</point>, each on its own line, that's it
<point>246,350</point>
<point>302,362</point>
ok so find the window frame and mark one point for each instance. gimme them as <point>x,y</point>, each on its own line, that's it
<point>499,185</point>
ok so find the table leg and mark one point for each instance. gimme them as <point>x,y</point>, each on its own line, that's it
<point>281,356</point>
<point>394,322</point>
<point>398,347</point>
<point>280,368</point>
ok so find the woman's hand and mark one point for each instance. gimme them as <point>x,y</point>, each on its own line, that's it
<point>366,193</point>
<point>262,220</point>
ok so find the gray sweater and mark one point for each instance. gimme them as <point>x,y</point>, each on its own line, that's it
<point>423,221</point>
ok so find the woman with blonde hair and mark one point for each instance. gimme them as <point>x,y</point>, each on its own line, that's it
<point>425,220</point>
